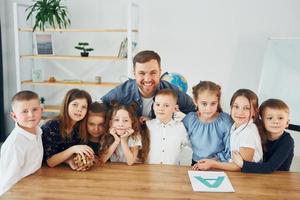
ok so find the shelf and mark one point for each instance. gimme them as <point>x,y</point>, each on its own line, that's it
<point>79,83</point>
<point>68,57</point>
<point>77,30</point>
<point>52,108</point>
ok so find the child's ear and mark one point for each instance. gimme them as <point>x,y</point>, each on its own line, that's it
<point>176,108</point>
<point>13,116</point>
<point>287,123</point>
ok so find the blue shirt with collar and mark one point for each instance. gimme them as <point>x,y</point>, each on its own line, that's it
<point>128,92</point>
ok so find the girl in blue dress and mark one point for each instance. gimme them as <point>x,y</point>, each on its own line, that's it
<point>209,127</point>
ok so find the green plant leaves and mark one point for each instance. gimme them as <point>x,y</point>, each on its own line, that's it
<point>48,11</point>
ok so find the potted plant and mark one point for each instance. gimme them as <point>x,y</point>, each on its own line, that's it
<point>50,12</point>
<point>83,46</point>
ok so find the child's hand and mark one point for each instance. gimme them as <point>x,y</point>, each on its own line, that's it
<point>204,164</point>
<point>128,132</point>
<point>237,159</point>
<point>73,165</point>
<point>113,132</point>
<point>83,150</point>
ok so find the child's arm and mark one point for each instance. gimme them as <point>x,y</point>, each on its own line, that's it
<point>129,152</point>
<point>206,164</point>
<point>112,148</point>
<point>63,156</point>
<point>247,153</point>
<point>280,155</point>
<point>11,162</point>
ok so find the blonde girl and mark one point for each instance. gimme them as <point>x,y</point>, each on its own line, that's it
<point>209,127</point>
<point>123,141</point>
<point>65,135</point>
<point>244,136</point>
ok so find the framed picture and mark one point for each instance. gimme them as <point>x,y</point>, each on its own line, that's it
<point>44,44</point>
<point>37,75</point>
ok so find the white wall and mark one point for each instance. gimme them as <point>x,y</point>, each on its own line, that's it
<point>222,41</point>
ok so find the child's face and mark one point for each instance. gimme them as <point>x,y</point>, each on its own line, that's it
<point>27,114</point>
<point>164,107</point>
<point>77,109</point>
<point>207,103</point>
<point>241,111</point>
<point>275,121</point>
<point>95,125</point>
<point>121,122</point>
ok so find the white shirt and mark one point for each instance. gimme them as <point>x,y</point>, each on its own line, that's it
<point>166,141</point>
<point>147,106</point>
<point>21,155</point>
<point>246,136</point>
<point>119,156</point>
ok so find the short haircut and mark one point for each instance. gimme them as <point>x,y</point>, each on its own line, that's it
<point>146,56</point>
<point>167,92</point>
<point>276,104</point>
<point>97,108</point>
<point>25,95</point>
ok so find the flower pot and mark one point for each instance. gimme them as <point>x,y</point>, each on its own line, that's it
<point>84,54</point>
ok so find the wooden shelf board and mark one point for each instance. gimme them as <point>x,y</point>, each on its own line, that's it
<point>79,83</point>
<point>69,57</point>
<point>52,108</point>
<point>78,30</point>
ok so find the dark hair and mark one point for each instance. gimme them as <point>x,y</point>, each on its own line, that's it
<point>146,56</point>
<point>107,139</point>
<point>167,92</point>
<point>210,86</point>
<point>25,95</point>
<point>64,117</point>
<point>98,109</point>
<point>274,104</point>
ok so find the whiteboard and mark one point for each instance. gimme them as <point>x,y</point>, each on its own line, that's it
<point>280,76</point>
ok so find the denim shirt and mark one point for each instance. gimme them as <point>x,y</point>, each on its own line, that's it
<point>128,93</point>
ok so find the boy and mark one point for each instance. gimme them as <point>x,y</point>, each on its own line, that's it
<point>96,125</point>
<point>167,136</point>
<point>22,152</point>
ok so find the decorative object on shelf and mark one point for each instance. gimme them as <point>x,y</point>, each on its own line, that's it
<point>52,79</point>
<point>123,48</point>
<point>83,162</point>
<point>98,79</point>
<point>44,45</point>
<point>42,100</point>
<point>50,12</point>
<point>176,79</point>
<point>83,46</point>
<point>37,75</point>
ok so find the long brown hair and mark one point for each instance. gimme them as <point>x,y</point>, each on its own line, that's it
<point>107,139</point>
<point>66,121</point>
<point>208,86</point>
<point>253,102</point>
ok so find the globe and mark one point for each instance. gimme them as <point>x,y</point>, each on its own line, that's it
<point>176,79</point>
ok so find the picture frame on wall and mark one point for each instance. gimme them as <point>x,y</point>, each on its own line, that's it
<point>44,44</point>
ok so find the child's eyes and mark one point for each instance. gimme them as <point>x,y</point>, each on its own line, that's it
<point>204,104</point>
<point>25,111</point>
<point>116,120</point>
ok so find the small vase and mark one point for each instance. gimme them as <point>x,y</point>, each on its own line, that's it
<point>84,54</point>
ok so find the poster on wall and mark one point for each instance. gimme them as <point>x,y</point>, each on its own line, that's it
<point>44,44</point>
<point>210,181</point>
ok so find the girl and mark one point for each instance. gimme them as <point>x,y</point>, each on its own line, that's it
<point>209,127</point>
<point>62,136</point>
<point>96,125</point>
<point>244,136</point>
<point>279,151</point>
<point>123,141</point>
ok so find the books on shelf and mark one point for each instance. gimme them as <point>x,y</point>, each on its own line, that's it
<point>123,48</point>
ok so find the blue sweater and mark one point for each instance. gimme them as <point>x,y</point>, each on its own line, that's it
<point>278,156</point>
<point>209,140</point>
